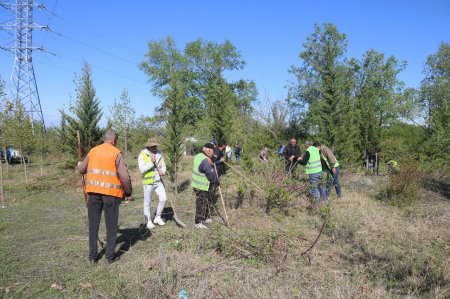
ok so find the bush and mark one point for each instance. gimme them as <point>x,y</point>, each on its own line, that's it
<point>404,186</point>
<point>277,199</point>
<point>247,163</point>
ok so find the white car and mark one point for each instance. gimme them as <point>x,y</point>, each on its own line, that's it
<point>14,155</point>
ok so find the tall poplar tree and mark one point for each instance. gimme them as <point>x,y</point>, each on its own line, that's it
<point>322,91</point>
<point>221,101</point>
<point>166,67</point>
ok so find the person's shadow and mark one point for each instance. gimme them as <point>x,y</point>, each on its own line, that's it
<point>127,237</point>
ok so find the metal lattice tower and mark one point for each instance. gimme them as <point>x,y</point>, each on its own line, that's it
<point>22,84</point>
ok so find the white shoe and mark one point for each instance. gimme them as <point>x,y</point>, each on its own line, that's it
<point>200,225</point>
<point>208,221</point>
<point>150,224</point>
<point>158,220</point>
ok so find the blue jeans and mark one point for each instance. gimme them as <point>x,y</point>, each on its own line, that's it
<point>318,191</point>
<point>333,179</point>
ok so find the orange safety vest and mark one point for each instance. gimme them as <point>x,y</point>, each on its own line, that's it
<point>102,176</point>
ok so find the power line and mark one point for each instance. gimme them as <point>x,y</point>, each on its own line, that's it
<point>98,35</point>
<point>50,19</point>
<point>97,49</point>
<point>100,68</point>
<point>94,68</point>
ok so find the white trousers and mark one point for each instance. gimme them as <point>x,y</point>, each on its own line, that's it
<point>158,187</point>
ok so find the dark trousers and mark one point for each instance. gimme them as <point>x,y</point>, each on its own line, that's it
<point>201,205</point>
<point>96,204</point>
<point>204,202</point>
<point>220,169</point>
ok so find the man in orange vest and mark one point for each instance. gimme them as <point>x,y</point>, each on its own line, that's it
<point>107,182</point>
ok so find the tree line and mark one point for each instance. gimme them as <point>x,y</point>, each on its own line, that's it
<point>350,104</point>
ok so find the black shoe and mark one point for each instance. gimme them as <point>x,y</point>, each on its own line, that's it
<point>93,261</point>
<point>114,259</point>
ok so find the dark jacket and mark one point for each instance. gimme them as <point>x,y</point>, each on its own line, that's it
<point>216,158</point>
<point>290,150</point>
<point>206,167</point>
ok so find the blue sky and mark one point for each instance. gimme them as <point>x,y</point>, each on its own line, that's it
<point>112,37</point>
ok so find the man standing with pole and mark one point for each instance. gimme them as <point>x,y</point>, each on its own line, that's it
<point>152,166</point>
<point>204,183</point>
<point>291,153</point>
<point>107,182</point>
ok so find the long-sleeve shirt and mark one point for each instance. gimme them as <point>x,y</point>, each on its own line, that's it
<point>122,172</point>
<point>305,159</point>
<point>144,167</point>
<point>329,155</point>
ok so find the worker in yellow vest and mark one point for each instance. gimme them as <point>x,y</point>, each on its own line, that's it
<point>331,165</point>
<point>152,167</point>
<point>392,166</point>
<point>311,159</point>
<point>204,183</point>
<point>107,182</point>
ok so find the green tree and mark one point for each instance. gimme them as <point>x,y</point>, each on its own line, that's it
<point>435,89</point>
<point>322,93</point>
<point>2,142</point>
<point>145,127</point>
<point>435,94</point>
<point>209,102</point>
<point>123,119</point>
<point>208,60</point>
<point>164,63</point>
<point>169,75</point>
<point>17,130</point>
<point>172,143</point>
<point>86,116</point>
<point>378,96</point>
<point>221,101</point>
<point>246,94</point>
<point>219,107</point>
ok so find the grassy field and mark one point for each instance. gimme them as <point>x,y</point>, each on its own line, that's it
<point>276,246</point>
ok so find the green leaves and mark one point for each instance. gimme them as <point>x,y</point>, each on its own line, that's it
<point>123,119</point>
<point>346,103</point>
<point>86,114</point>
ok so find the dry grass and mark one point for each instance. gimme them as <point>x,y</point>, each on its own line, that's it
<point>367,249</point>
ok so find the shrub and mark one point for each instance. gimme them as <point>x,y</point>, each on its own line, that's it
<point>247,163</point>
<point>277,198</point>
<point>404,186</point>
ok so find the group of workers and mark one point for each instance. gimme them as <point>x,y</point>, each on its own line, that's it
<point>317,159</point>
<point>108,182</point>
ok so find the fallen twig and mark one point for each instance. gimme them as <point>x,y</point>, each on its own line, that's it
<point>315,241</point>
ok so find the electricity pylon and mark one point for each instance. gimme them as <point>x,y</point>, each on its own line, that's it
<point>22,85</point>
